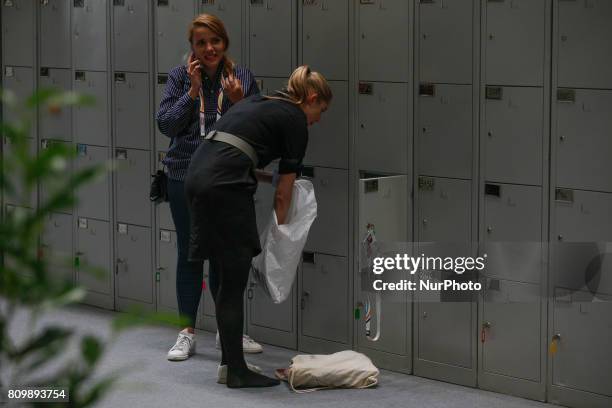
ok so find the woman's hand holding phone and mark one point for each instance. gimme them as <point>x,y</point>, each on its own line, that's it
<point>194,70</point>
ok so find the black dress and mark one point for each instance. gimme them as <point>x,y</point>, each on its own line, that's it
<point>220,181</point>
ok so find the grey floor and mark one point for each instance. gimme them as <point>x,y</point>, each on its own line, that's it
<point>149,380</point>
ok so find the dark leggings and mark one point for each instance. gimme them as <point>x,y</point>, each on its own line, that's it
<point>188,274</point>
<point>233,272</point>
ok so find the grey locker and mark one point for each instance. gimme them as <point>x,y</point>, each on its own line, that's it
<point>584,33</point>
<point>172,20</point>
<point>445,131</point>
<point>583,240</point>
<point>55,33</point>
<point>325,35</point>
<point>131,35</point>
<point>383,122</point>
<point>132,182</point>
<point>162,142</point>
<point>444,217</point>
<point>133,265</point>
<point>328,141</point>
<point>329,231</point>
<point>515,42</point>
<point>93,199</point>
<point>514,121</point>
<point>91,124</point>
<point>93,256</point>
<point>269,322</point>
<point>18,31</point>
<point>166,271</point>
<point>52,185</point>
<point>582,360</point>
<point>446,41</point>
<point>16,177</point>
<point>512,232</point>
<point>230,12</point>
<point>164,216</point>
<point>511,321</point>
<point>20,81</point>
<point>56,243</point>
<point>385,203</point>
<point>132,110</point>
<point>272,37</point>
<point>51,124</point>
<point>583,139</point>
<point>388,19</point>
<point>89,35</point>
<point>324,298</point>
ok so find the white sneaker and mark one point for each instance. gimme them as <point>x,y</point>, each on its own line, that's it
<point>183,348</point>
<point>222,372</point>
<point>248,344</point>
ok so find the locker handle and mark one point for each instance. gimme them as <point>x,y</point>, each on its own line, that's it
<point>305,295</point>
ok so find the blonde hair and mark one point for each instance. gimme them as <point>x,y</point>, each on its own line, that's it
<point>214,24</point>
<point>302,82</point>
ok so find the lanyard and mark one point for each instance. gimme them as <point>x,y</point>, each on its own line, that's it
<point>203,110</point>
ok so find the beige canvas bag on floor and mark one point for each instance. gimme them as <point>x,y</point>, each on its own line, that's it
<point>345,369</point>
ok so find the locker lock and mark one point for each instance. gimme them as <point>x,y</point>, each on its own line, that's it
<point>305,295</point>
<point>560,237</point>
<point>554,344</point>
<point>562,138</point>
<point>489,229</point>
<point>483,333</point>
<point>425,221</point>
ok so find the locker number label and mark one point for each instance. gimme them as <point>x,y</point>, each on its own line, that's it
<point>9,72</point>
<point>83,223</point>
<point>121,154</point>
<point>122,229</point>
<point>8,3</point>
<point>311,2</point>
<point>81,149</point>
<point>426,183</point>
<point>164,236</point>
<point>365,88</point>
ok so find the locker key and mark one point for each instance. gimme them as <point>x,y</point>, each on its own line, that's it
<point>554,345</point>
<point>483,334</point>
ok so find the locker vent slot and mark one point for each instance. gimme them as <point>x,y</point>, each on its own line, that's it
<point>120,3</point>
<point>371,186</point>
<point>427,90</point>
<point>566,95</point>
<point>495,92</point>
<point>493,190</point>
<point>162,3</point>
<point>366,1</point>
<point>564,195</point>
<point>257,2</point>
<point>208,2</point>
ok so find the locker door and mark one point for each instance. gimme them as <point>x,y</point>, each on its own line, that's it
<point>93,252</point>
<point>54,125</point>
<point>383,111</point>
<point>511,321</point>
<point>166,268</point>
<point>583,141</point>
<point>55,33</point>
<point>445,131</point>
<point>445,36</point>
<point>582,361</point>
<point>513,232</point>
<point>94,84</point>
<point>162,142</point>
<point>324,298</point>
<point>272,323</point>
<point>18,30</point>
<point>132,182</point>
<point>515,42</point>
<point>325,37</point>
<point>230,12</point>
<point>388,19</point>
<point>56,243</point>
<point>385,203</point>
<point>93,199</point>
<point>52,185</point>
<point>514,121</point>
<point>172,20</point>
<point>131,35</point>
<point>271,38</point>
<point>329,232</point>
<point>134,270</point>
<point>328,141</point>
<point>16,177</point>
<point>132,110</point>
<point>444,217</point>
<point>20,81</point>
<point>584,35</point>
<point>89,42</point>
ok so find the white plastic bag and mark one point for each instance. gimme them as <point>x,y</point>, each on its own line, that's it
<point>275,267</point>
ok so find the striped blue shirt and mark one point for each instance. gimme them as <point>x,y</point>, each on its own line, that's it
<point>179,115</point>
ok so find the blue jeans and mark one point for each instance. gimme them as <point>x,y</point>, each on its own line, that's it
<point>188,274</point>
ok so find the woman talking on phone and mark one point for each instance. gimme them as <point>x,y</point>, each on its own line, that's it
<point>196,95</point>
<point>220,184</point>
